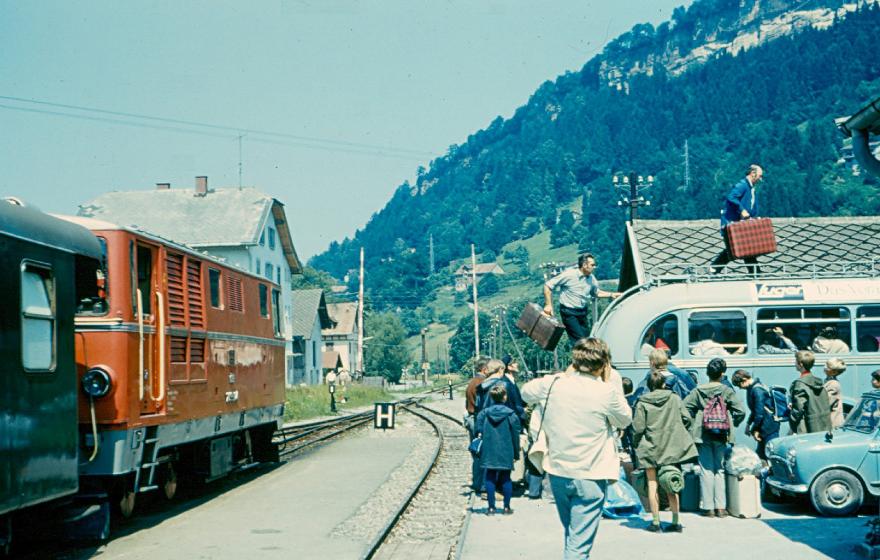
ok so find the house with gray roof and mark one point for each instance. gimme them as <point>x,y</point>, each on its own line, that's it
<point>309,318</point>
<point>342,337</point>
<point>243,226</point>
<point>464,275</point>
<point>658,250</point>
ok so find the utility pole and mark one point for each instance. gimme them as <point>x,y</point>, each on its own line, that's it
<point>360,348</point>
<point>476,308</point>
<point>431,253</point>
<point>631,186</point>
<point>424,359</point>
<point>687,167</point>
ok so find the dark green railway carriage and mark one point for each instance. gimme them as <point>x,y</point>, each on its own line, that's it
<point>47,266</point>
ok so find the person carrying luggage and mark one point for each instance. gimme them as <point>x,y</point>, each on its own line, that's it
<point>761,424</point>
<point>577,286</point>
<point>661,439</point>
<point>716,411</point>
<point>740,203</point>
<point>810,405</point>
<point>470,419</point>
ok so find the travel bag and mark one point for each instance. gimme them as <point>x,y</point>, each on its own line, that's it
<point>541,328</point>
<point>744,496</point>
<point>751,238</point>
<point>689,498</point>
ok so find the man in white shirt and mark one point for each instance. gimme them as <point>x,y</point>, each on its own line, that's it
<point>582,408</point>
<point>576,286</point>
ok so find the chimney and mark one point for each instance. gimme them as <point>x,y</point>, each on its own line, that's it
<point>202,185</point>
<point>163,186</point>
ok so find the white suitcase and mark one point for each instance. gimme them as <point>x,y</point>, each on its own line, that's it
<point>743,496</point>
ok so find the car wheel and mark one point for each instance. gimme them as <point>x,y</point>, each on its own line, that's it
<point>836,493</point>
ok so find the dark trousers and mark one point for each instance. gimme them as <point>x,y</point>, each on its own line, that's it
<point>761,448</point>
<point>496,479</point>
<point>726,256</point>
<point>575,322</point>
<point>477,471</point>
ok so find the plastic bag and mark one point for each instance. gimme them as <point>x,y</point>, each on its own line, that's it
<point>741,460</point>
<point>621,500</point>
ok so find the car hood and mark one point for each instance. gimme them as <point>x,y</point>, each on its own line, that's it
<point>816,442</point>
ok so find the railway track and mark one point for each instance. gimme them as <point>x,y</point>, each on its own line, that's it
<point>431,514</point>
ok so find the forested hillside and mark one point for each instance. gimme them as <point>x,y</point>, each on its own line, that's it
<point>772,104</point>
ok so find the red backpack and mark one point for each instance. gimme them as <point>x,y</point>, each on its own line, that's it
<point>715,419</point>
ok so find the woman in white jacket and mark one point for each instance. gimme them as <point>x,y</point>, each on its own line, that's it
<point>583,409</point>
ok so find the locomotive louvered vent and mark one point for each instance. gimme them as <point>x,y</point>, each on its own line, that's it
<point>178,349</point>
<point>176,309</point>
<point>234,300</point>
<point>196,350</point>
<point>194,292</point>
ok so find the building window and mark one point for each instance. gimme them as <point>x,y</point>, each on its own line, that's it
<point>271,239</point>
<point>264,301</point>
<point>269,272</point>
<point>37,318</point>
<point>214,285</point>
<point>262,238</point>
<point>276,315</point>
<point>314,353</point>
<point>278,274</point>
<point>259,267</point>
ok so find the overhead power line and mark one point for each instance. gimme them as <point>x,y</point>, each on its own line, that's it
<point>253,133</point>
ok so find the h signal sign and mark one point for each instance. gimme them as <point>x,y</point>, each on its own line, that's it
<point>383,416</point>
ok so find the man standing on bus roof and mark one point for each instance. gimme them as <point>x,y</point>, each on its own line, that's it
<point>740,204</point>
<point>576,285</point>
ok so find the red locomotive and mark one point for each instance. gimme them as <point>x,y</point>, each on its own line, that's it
<point>181,359</point>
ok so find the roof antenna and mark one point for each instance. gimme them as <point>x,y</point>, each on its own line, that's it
<point>240,136</point>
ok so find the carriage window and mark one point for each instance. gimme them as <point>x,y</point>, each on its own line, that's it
<point>662,334</point>
<point>264,301</point>
<point>92,283</point>
<point>717,333</point>
<point>824,330</point>
<point>142,281</point>
<point>868,328</point>
<point>37,318</point>
<point>214,286</point>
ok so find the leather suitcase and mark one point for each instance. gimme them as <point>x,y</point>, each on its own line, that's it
<point>544,330</point>
<point>751,238</point>
<point>744,496</point>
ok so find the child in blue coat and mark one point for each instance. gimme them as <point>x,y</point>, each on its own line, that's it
<point>499,427</point>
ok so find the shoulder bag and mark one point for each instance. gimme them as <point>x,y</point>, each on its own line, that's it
<point>538,448</point>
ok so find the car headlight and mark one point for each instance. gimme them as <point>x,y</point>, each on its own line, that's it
<point>791,456</point>
<point>96,382</point>
<point>770,448</point>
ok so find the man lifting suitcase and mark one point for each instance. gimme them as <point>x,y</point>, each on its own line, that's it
<point>740,204</point>
<point>576,285</point>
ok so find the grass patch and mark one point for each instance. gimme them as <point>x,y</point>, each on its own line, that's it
<point>314,400</point>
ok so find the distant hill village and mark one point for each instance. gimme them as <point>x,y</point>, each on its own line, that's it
<point>249,230</point>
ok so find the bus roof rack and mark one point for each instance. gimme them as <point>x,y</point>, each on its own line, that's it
<point>667,273</point>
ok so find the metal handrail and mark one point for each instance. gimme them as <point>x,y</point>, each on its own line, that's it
<point>667,273</point>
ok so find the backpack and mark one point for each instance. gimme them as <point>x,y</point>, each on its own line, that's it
<point>483,399</point>
<point>777,403</point>
<point>715,419</point>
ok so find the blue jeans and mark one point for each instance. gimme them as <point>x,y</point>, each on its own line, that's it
<point>713,487</point>
<point>579,504</point>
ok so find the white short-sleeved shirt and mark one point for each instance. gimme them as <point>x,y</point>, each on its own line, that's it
<point>575,288</point>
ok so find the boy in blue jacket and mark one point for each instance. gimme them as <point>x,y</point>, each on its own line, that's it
<point>499,428</point>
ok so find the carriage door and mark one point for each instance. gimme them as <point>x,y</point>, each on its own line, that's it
<point>146,311</point>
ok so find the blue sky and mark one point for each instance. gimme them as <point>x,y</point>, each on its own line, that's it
<point>363,92</point>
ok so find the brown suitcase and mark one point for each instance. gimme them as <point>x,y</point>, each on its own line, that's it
<point>544,330</point>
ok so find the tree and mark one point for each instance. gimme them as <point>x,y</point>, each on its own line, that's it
<point>385,353</point>
<point>487,286</point>
<point>461,345</point>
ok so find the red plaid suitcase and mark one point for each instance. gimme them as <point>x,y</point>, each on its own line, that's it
<point>751,238</point>
<point>544,330</point>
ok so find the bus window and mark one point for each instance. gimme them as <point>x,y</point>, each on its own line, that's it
<point>662,334</point>
<point>868,328</point>
<point>717,333</point>
<point>824,330</point>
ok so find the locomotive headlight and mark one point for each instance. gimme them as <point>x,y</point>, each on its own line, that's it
<point>96,382</point>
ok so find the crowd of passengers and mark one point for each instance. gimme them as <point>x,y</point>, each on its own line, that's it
<point>596,421</point>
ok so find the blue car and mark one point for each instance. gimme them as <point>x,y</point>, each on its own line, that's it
<point>839,470</point>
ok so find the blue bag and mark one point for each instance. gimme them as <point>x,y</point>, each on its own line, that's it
<point>621,500</point>
<point>475,446</point>
<point>777,403</point>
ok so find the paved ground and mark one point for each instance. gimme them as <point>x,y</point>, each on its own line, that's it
<point>788,531</point>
